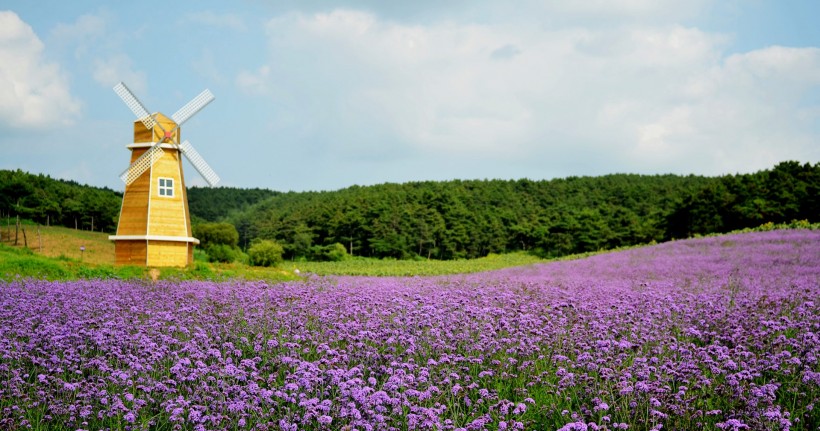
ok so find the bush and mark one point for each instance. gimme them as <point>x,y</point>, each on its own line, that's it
<point>265,253</point>
<point>210,234</point>
<point>332,253</point>
<point>222,253</point>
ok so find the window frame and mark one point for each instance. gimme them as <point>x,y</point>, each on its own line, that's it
<point>165,187</point>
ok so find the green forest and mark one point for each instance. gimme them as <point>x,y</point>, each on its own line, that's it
<point>50,201</point>
<point>460,218</point>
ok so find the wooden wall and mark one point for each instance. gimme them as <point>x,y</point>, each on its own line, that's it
<point>134,212</point>
<point>153,253</point>
<point>168,216</point>
<point>130,252</point>
<point>166,253</point>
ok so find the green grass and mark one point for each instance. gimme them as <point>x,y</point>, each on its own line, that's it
<point>387,267</point>
<point>17,262</point>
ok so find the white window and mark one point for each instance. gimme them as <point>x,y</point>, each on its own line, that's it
<point>166,187</point>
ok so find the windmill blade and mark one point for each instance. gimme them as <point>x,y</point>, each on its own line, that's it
<point>194,106</point>
<point>199,163</point>
<point>134,104</point>
<point>141,164</point>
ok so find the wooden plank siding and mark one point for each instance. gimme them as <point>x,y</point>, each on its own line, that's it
<point>167,216</point>
<point>167,253</point>
<point>134,212</point>
<point>131,252</point>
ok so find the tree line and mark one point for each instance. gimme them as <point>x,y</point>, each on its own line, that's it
<point>469,219</point>
<point>58,202</point>
<point>460,219</point>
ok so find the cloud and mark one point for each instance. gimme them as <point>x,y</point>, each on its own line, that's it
<point>216,20</point>
<point>505,52</point>
<point>629,10</point>
<point>644,97</point>
<point>98,48</point>
<point>34,93</point>
<point>86,28</point>
<point>109,71</point>
<point>255,82</point>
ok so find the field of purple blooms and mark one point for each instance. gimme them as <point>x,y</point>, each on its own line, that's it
<point>710,333</point>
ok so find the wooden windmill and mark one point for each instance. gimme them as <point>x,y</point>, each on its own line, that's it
<point>154,227</point>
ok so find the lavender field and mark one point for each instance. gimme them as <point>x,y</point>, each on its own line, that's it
<point>711,333</point>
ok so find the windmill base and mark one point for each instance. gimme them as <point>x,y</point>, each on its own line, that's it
<point>153,252</point>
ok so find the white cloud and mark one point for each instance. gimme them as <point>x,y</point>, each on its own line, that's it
<point>86,28</point>
<point>217,20</point>
<point>109,71</point>
<point>631,10</point>
<point>646,97</point>
<point>748,110</point>
<point>256,82</point>
<point>34,93</point>
<point>98,48</point>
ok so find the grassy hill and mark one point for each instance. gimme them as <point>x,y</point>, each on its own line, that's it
<point>61,242</point>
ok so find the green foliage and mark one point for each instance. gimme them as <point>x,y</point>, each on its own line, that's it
<point>214,204</point>
<point>200,255</point>
<point>455,219</point>
<point>329,253</point>
<point>23,263</point>
<point>223,253</point>
<point>469,219</point>
<point>789,191</point>
<point>265,253</point>
<point>58,202</point>
<point>218,241</point>
<point>210,234</point>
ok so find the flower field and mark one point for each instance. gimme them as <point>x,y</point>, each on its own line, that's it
<point>710,333</point>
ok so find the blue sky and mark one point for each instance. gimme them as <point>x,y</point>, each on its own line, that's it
<point>322,95</point>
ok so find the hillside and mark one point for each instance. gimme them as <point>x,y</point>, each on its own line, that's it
<point>61,242</point>
<point>458,219</point>
<point>469,219</point>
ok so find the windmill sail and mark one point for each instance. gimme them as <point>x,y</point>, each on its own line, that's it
<point>141,164</point>
<point>199,163</point>
<point>134,104</point>
<point>192,107</point>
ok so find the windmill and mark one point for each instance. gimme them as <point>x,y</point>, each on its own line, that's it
<point>154,227</point>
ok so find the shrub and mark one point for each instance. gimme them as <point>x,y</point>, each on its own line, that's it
<point>333,253</point>
<point>265,253</point>
<point>210,234</point>
<point>222,253</point>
